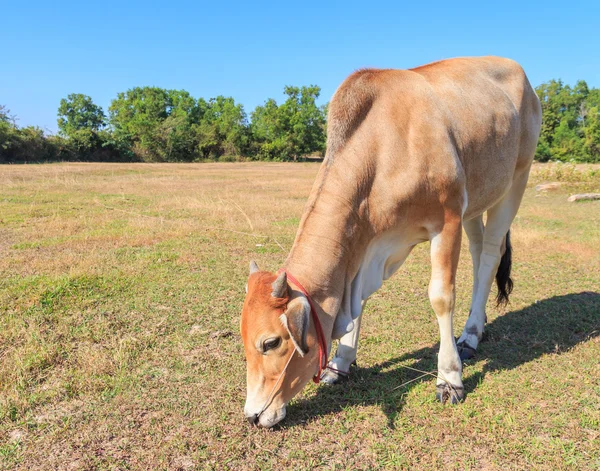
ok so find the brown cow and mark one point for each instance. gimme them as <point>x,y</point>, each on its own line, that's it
<point>412,156</point>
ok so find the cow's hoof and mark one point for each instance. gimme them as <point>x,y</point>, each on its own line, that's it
<point>445,392</point>
<point>331,377</point>
<point>465,351</point>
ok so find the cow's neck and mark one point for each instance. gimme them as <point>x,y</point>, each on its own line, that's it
<point>329,243</point>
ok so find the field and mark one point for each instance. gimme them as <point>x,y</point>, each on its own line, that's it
<point>120,292</point>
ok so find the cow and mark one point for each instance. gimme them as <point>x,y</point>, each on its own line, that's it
<point>412,156</point>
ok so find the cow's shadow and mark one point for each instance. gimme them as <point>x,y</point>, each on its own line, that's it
<point>554,325</point>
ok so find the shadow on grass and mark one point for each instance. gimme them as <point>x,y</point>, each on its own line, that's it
<point>554,325</point>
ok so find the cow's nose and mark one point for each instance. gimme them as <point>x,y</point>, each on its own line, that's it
<point>252,419</point>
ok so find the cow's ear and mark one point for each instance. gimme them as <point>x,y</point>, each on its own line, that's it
<point>295,319</point>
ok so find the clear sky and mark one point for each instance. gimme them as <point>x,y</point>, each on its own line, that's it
<point>250,50</point>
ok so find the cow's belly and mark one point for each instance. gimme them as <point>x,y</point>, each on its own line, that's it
<point>383,257</point>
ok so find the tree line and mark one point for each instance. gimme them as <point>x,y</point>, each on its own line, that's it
<point>151,124</point>
<point>570,122</point>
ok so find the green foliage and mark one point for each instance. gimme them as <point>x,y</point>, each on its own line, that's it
<point>28,144</point>
<point>6,132</point>
<point>293,129</point>
<point>78,112</point>
<point>148,122</point>
<point>160,125</point>
<point>570,129</point>
<point>33,145</point>
<point>81,121</point>
<point>591,133</point>
<point>223,129</point>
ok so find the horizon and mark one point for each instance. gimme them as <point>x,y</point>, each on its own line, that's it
<point>253,53</point>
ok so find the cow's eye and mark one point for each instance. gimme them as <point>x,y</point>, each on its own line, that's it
<point>270,344</point>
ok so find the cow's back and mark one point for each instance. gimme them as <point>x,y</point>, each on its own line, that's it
<point>494,117</point>
<point>467,122</point>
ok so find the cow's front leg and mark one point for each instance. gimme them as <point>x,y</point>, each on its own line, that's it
<point>345,355</point>
<point>445,250</point>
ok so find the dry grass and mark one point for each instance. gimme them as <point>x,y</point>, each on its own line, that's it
<point>120,291</point>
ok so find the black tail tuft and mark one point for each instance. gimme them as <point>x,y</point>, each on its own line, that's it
<point>503,280</point>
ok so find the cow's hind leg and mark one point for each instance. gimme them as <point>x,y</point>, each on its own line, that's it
<point>445,250</point>
<point>499,219</point>
<point>474,229</point>
<point>345,355</point>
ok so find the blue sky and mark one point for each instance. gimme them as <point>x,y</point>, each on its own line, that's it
<point>250,50</point>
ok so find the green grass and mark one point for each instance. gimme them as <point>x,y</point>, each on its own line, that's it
<point>120,292</point>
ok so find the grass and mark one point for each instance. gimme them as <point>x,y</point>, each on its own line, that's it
<point>120,292</point>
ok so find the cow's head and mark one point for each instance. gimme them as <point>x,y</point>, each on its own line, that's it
<point>275,324</point>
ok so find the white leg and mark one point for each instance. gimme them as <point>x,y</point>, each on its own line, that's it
<point>498,223</point>
<point>445,251</point>
<point>474,230</point>
<point>345,354</point>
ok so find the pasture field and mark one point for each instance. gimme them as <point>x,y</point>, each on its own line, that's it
<point>121,287</point>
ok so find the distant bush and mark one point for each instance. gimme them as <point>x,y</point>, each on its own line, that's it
<point>231,158</point>
<point>28,144</point>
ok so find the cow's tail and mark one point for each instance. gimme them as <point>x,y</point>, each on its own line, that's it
<point>503,280</point>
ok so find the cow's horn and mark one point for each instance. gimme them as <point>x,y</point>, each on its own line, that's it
<point>279,286</point>
<point>253,267</point>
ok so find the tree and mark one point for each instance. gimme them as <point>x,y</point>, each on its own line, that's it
<point>81,122</point>
<point>268,133</point>
<point>5,129</point>
<point>566,143</point>
<point>591,142</point>
<point>566,133</point>
<point>223,128</point>
<point>8,134</point>
<point>304,120</point>
<point>154,124</point>
<point>294,129</point>
<point>77,112</point>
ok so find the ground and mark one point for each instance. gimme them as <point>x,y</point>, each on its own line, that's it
<point>120,292</point>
